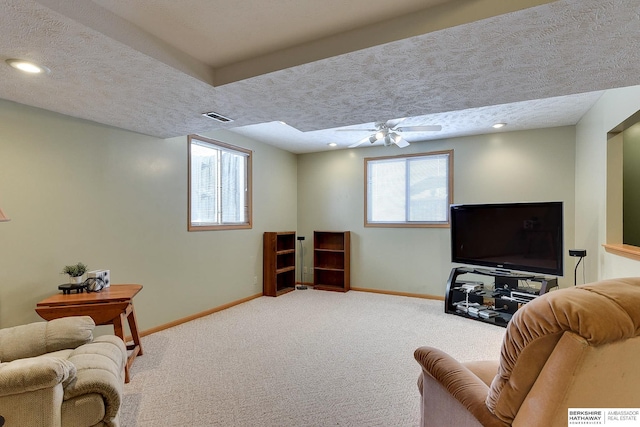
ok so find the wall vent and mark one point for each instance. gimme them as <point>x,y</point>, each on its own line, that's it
<point>217,117</point>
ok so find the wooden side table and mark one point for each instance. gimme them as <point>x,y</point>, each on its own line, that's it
<point>110,306</point>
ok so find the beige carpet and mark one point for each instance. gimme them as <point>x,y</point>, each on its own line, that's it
<point>307,358</point>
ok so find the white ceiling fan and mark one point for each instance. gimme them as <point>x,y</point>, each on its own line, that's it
<point>390,133</point>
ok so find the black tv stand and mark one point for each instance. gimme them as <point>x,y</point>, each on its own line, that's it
<point>495,303</point>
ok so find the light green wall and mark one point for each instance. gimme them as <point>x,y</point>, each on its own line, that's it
<point>611,109</point>
<point>79,191</point>
<point>535,165</point>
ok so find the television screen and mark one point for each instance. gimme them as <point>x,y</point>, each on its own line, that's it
<point>512,236</point>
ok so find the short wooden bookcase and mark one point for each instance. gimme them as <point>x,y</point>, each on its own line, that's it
<point>279,263</point>
<point>331,260</point>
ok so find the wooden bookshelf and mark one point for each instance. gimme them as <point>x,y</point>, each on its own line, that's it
<point>279,263</point>
<point>331,260</point>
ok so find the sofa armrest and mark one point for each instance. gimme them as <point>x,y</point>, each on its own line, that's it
<point>35,373</point>
<point>459,381</point>
<point>35,339</point>
<point>100,365</point>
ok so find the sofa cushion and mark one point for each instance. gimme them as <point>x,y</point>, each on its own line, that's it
<point>483,369</point>
<point>38,338</point>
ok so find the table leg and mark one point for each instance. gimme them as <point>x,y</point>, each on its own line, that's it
<point>118,330</point>
<point>133,327</point>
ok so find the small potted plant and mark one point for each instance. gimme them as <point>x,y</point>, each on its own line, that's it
<point>75,272</point>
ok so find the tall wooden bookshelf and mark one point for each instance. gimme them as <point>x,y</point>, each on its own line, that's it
<point>331,260</point>
<point>279,263</point>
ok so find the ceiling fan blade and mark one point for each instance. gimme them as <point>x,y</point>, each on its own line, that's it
<point>419,128</point>
<point>356,130</point>
<point>362,141</point>
<point>394,122</point>
<point>401,142</point>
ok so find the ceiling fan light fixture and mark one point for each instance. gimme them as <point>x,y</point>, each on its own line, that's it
<point>390,133</point>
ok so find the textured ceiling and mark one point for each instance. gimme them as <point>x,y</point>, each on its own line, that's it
<point>152,68</point>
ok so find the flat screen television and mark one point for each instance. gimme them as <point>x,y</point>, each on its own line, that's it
<point>524,237</point>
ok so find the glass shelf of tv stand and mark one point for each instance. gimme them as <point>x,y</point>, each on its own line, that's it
<point>485,300</point>
<point>488,296</point>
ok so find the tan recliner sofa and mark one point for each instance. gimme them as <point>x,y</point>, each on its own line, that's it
<point>572,348</point>
<point>55,374</point>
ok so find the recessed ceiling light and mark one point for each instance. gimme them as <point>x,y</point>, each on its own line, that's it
<point>332,144</point>
<point>27,66</point>
<point>499,125</point>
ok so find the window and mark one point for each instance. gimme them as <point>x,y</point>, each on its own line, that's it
<point>219,185</point>
<point>409,191</point>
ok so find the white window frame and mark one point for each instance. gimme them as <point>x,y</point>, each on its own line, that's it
<point>219,223</point>
<point>406,223</point>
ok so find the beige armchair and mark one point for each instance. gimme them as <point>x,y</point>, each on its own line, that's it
<point>55,374</point>
<point>571,348</point>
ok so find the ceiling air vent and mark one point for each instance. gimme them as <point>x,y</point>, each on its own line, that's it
<point>217,117</point>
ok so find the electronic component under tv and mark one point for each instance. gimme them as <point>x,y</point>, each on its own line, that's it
<point>511,236</point>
